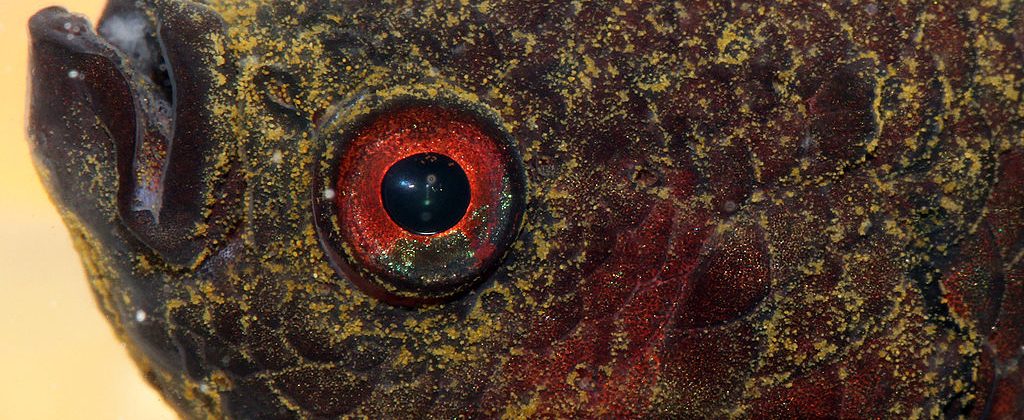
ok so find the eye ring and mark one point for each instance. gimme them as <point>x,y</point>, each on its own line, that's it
<point>385,260</point>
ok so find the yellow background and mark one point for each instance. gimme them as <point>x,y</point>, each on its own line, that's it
<point>58,357</point>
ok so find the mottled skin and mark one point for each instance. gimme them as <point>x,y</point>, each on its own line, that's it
<point>733,209</point>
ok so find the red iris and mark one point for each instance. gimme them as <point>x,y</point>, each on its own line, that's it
<point>397,264</point>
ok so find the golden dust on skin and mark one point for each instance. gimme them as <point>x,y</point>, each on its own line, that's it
<point>103,282</point>
<point>905,345</point>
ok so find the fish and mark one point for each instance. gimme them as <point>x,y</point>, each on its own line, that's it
<point>636,209</point>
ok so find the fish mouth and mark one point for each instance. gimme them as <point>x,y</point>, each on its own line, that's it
<point>148,76</point>
<point>127,39</point>
<point>132,32</point>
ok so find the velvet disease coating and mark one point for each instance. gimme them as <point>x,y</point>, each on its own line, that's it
<point>696,208</point>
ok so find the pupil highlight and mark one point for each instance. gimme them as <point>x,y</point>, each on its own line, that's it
<point>425,194</point>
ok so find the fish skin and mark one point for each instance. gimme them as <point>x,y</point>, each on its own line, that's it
<point>732,208</point>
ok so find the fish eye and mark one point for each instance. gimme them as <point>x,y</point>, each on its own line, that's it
<point>424,201</point>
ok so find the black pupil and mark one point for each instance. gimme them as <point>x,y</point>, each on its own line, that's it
<point>426,193</point>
